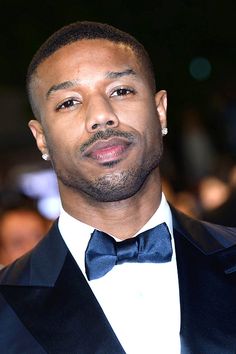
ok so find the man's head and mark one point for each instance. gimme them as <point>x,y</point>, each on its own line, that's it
<point>78,31</point>
<point>92,89</point>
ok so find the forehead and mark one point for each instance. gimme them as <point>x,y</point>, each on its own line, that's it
<point>92,54</point>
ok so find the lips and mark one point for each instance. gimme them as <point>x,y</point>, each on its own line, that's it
<point>108,150</point>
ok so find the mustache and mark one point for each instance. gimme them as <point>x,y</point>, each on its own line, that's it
<point>106,134</point>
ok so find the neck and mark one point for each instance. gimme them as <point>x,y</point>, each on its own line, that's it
<point>121,219</point>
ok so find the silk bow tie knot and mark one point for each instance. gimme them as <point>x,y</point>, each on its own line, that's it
<point>103,252</point>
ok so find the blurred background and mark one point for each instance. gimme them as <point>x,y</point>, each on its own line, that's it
<point>193,48</point>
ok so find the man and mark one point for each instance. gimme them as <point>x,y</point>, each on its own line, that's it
<point>100,122</point>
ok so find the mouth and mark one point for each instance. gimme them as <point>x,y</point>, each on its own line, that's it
<point>107,151</point>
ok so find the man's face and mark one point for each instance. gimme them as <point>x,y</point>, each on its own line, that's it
<point>20,231</point>
<point>100,119</point>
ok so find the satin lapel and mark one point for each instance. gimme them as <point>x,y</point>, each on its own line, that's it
<point>60,311</point>
<point>14,337</point>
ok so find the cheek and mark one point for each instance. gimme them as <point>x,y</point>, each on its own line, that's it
<point>150,123</point>
<point>64,148</point>
<point>141,115</point>
<point>59,137</point>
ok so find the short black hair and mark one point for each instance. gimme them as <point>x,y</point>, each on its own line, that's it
<point>85,30</point>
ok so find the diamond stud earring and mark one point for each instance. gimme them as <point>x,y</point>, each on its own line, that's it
<point>45,157</point>
<point>164,131</point>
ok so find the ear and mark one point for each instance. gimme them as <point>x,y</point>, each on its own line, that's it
<point>161,105</point>
<point>37,131</point>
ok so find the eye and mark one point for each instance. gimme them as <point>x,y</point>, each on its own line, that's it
<point>68,104</point>
<point>122,92</point>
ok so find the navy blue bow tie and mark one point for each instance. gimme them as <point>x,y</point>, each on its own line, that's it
<point>103,252</point>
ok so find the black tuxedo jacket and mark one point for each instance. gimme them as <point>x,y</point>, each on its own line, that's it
<point>46,305</point>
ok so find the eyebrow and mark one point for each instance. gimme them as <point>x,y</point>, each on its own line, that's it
<point>118,74</point>
<point>62,86</point>
<point>69,84</point>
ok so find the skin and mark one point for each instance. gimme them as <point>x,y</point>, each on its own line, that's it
<point>20,231</point>
<point>85,93</point>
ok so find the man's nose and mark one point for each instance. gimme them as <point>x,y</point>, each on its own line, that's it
<point>100,114</point>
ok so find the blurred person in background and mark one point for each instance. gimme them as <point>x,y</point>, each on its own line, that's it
<point>197,148</point>
<point>21,228</point>
<point>218,199</point>
<point>213,192</point>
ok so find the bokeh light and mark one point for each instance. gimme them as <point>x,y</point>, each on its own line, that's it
<point>200,68</point>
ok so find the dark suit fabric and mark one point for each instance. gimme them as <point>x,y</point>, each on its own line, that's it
<point>46,305</point>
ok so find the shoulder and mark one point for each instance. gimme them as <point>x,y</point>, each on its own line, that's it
<point>208,237</point>
<point>16,271</point>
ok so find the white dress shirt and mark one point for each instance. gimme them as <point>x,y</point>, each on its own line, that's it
<point>140,300</point>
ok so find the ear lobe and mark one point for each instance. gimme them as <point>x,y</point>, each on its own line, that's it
<point>161,105</point>
<point>37,131</point>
